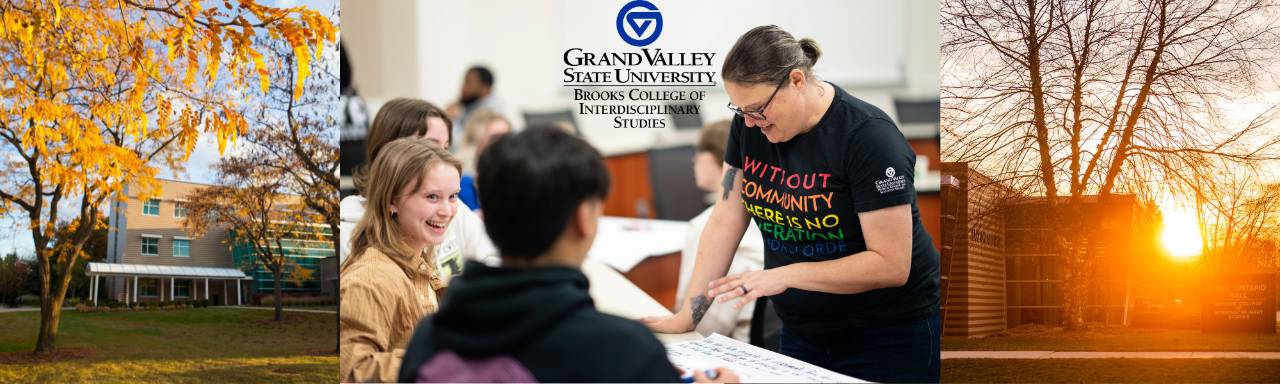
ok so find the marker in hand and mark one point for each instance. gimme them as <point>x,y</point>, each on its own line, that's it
<point>688,376</point>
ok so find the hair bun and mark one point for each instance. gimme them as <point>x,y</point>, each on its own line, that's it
<point>811,50</point>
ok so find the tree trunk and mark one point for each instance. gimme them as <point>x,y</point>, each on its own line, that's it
<point>337,247</point>
<point>52,297</point>
<point>48,312</point>
<point>1075,281</point>
<point>1073,291</point>
<point>279,305</point>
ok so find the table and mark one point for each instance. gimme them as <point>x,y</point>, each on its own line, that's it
<point>615,295</point>
<point>646,251</point>
<point>622,243</point>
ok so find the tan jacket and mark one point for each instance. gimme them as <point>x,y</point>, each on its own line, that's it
<point>383,298</point>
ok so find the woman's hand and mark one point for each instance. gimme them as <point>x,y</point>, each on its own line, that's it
<point>680,322</point>
<point>747,286</point>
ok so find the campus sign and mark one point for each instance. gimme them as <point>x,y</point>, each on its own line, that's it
<point>1239,303</point>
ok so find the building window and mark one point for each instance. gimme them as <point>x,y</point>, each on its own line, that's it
<point>150,246</point>
<point>179,210</point>
<point>149,287</point>
<point>182,288</point>
<point>181,248</point>
<point>151,207</point>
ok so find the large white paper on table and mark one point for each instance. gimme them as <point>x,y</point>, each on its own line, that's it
<point>752,364</point>
<point>622,243</point>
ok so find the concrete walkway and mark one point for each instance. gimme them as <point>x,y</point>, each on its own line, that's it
<point>23,309</point>
<point>272,309</point>
<point>1106,355</point>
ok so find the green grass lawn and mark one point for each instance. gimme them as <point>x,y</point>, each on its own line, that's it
<point>1117,340</point>
<point>191,345</point>
<point>1109,370</point>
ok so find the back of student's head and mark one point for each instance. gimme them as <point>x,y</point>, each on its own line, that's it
<point>401,117</point>
<point>532,182</point>
<point>404,163</point>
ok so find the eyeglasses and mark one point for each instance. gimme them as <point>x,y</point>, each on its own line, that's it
<point>759,113</point>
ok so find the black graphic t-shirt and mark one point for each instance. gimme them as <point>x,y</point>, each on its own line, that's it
<point>805,195</point>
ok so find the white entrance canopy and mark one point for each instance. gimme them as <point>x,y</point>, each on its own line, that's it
<point>108,269</point>
<point>172,272</point>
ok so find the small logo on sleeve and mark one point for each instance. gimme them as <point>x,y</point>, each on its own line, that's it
<point>892,182</point>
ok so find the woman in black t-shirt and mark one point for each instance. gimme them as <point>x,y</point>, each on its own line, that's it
<point>828,179</point>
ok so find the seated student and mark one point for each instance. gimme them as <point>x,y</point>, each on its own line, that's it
<point>482,127</point>
<point>707,169</point>
<point>390,282</point>
<point>465,239</point>
<point>532,319</point>
<point>477,93</point>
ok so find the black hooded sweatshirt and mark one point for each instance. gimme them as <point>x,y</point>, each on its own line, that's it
<point>543,318</point>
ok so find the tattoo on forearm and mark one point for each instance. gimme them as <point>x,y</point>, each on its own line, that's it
<point>729,176</point>
<point>699,305</point>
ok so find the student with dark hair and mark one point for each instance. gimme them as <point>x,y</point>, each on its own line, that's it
<point>476,94</point>
<point>532,319</point>
<point>849,268</point>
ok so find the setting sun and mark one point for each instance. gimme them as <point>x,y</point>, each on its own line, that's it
<point>1181,234</point>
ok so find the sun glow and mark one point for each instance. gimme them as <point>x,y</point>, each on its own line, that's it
<point>1181,234</point>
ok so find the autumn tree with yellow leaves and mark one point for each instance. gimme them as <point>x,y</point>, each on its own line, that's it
<point>251,200</point>
<point>282,185</point>
<point>98,94</point>
<point>296,138</point>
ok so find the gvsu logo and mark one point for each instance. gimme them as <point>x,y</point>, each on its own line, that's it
<point>639,23</point>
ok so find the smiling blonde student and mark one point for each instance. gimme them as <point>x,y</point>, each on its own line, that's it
<point>391,281</point>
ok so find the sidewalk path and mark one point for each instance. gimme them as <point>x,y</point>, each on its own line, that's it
<point>1106,355</point>
<point>23,309</point>
<point>272,309</point>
